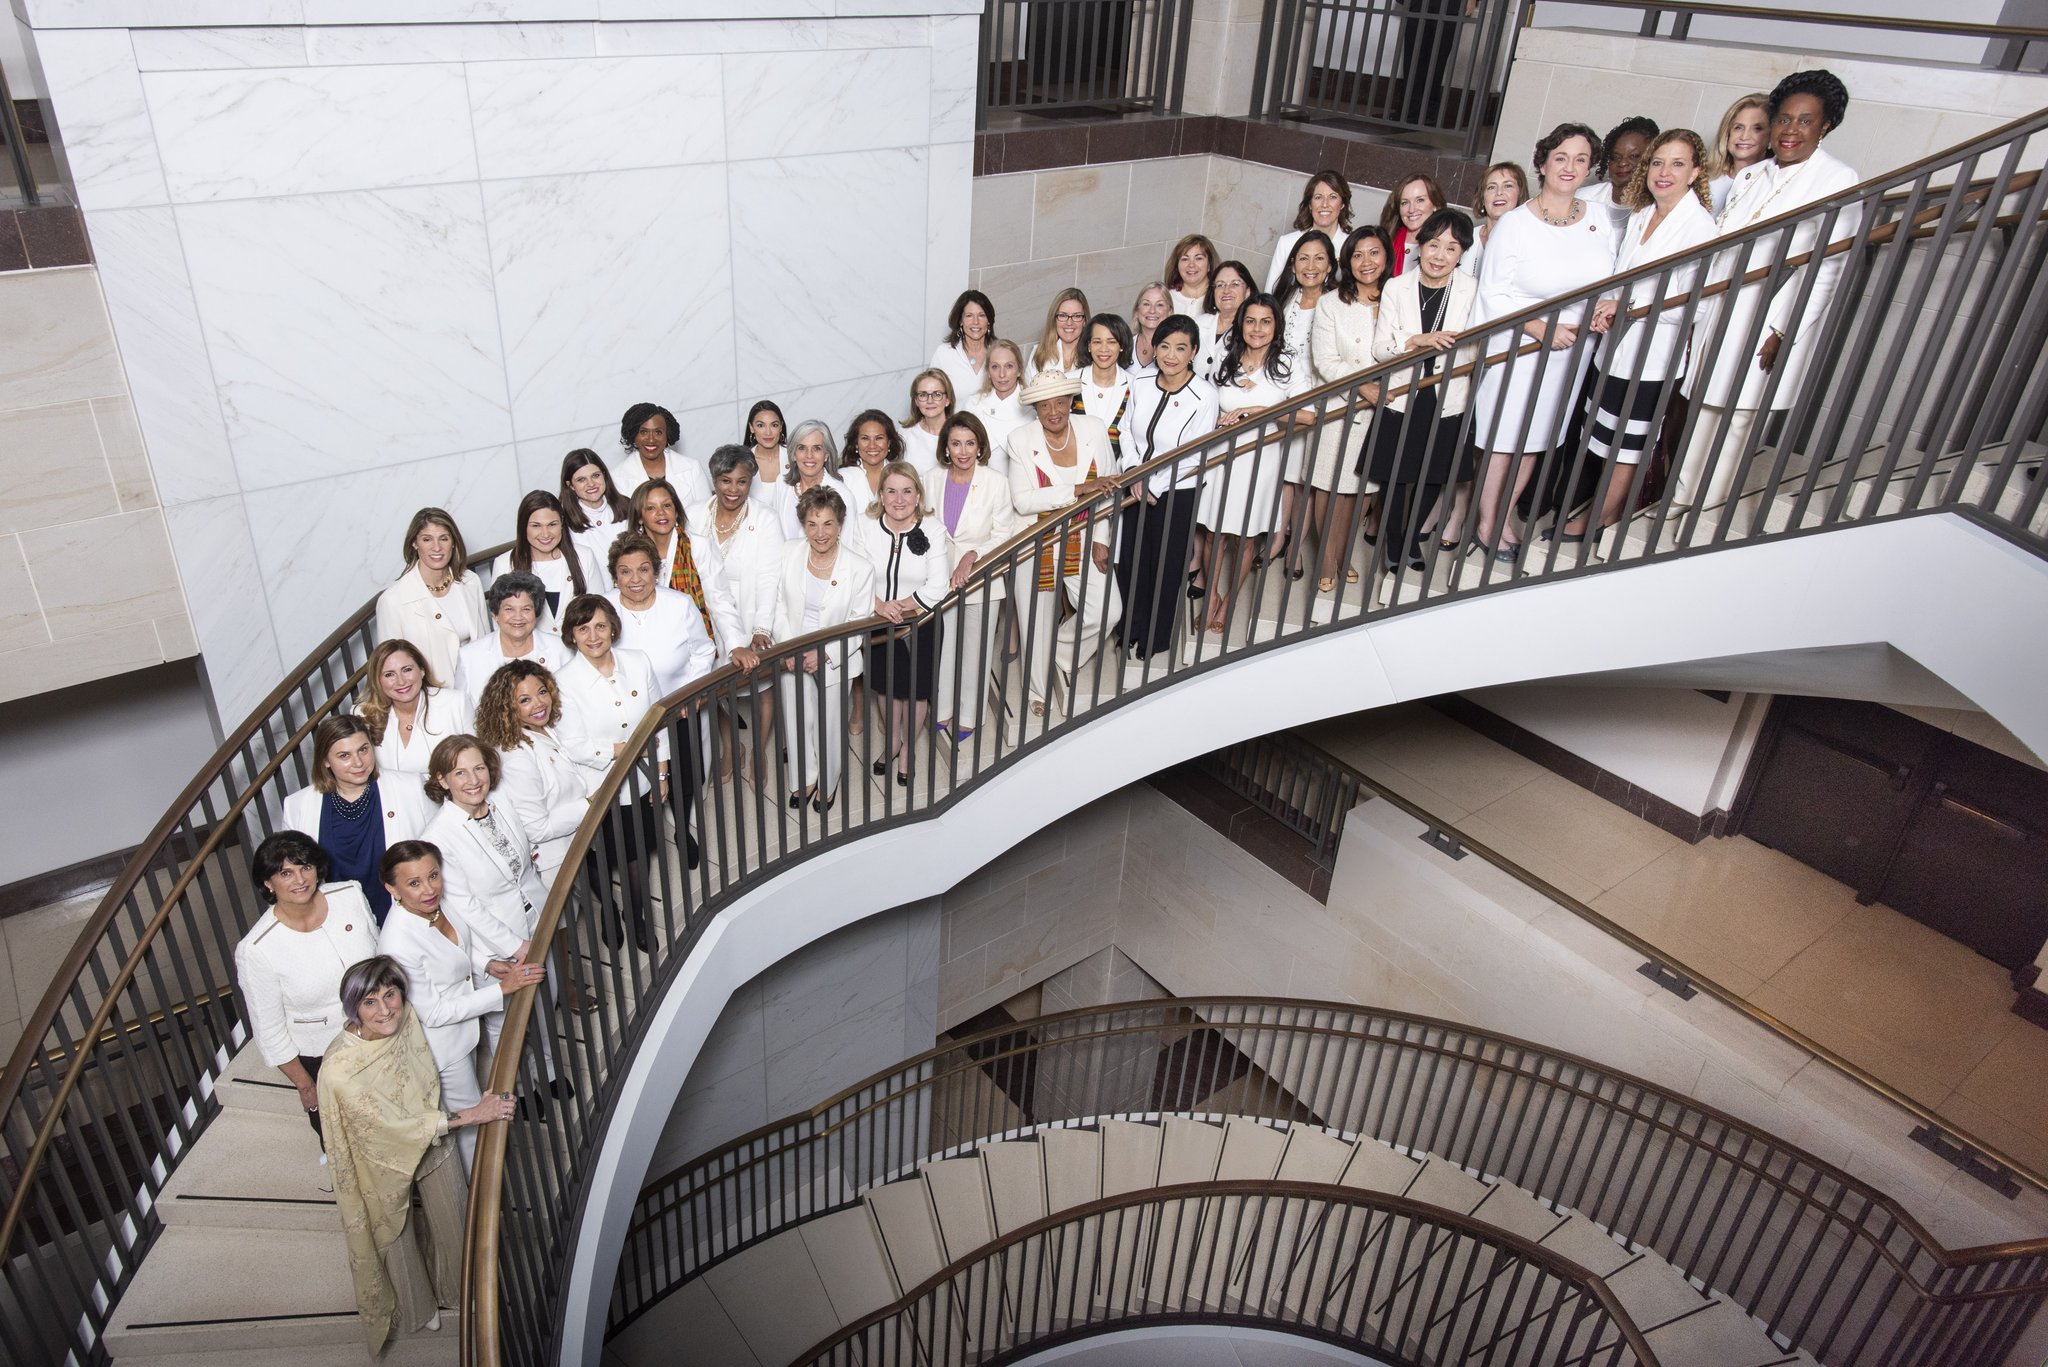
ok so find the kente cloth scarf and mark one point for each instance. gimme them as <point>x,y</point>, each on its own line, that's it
<point>1057,559</point>
<point>685,579</point>
<point>380,1107</point>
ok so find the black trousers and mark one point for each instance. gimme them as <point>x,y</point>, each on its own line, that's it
<point>1153,544</point>
<point>311,1063</point>
<point>1401,523</point>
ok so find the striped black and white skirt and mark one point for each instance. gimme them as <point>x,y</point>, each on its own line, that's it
<point>1624,425</point>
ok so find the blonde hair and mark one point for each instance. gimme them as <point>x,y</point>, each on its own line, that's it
<point>995,344</point>
<point>1636,193</point>
<point>945,382</point>
<point>909,472</point>
<point>1049,340</point>
<point>1719,160</point>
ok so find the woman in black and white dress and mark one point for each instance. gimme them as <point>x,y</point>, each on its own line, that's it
<point>593,509</point>
<point>1169,406</point>
<point>913,573</point>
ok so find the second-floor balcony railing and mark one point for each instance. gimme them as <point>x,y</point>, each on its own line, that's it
<point>1068,56</point>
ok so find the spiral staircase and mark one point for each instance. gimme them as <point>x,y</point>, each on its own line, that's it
<point>152,1192</point>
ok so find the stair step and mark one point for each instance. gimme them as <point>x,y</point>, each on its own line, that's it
<point>1251,1151</point>
<point>774,1297</point>
<point>1375,1167</point>
<point>1130,1156</point>
<point>903,1212</point>
<point>1447,1185</point>
<point>1722,1335</point>
<point>1313,1156</point>
<point>250,1083</point>
<point>1653,1291</point>
<point>852,1265</point>
<point>252,1169</point>
<point>959,1188</point>
<point>1073,1167</point>
<point>1016,1182</point>
<point>413,1350</point>
<point>1510,1208</point>
<point>1188,1151</point>
<point>691,1316</point>
<point>1586,1244</point>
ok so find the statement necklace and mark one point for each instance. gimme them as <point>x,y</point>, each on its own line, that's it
<point>1570,218</point>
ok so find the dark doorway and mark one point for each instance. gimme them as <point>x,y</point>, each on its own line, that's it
<point>1947,832</point>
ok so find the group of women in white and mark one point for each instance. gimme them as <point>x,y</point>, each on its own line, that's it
<point>439,811</point>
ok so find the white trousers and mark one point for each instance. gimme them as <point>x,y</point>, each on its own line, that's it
<point>821,738</point>
<point>1096,608</point>
<point>460,1091</point>
<point>1697,486</point>
<point>964,656</point>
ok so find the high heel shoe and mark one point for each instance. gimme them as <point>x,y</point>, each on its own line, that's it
<point>1195,590</point>
<point>822,805</point>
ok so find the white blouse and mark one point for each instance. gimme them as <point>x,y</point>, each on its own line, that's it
<point>291,980</point>
<point>689,477</point>
<point>597,538</point>
<point>920,448</point>
<point>1296,324</point>
<point>965,374</point>
<point>1101,402</point>
<point>440,713</point>
<point>670,632</point>
<point>1001,417</point>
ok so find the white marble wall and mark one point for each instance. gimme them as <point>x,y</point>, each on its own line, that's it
<point>365,255</point>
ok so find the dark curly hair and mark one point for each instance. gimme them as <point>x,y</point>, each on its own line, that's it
<point>1563,133</point>
<point>1635,123</point>
<point>1278,362</point>
<point>1820,83</point>
<point>629,426</point>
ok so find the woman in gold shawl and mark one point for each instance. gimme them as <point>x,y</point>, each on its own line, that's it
<point>387,1137</point>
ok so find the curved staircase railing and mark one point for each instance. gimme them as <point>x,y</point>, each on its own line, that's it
<point>1824,1260</point>
<point>112,1078</point>
<point>1381,1274</point>
<point>1957,240</point>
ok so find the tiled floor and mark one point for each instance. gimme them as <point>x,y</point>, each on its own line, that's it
<point>1911,1006</point>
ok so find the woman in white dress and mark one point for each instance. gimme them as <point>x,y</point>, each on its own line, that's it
<point>651,445</point>
<point>824,583</point>
<point>1340,345</point>
<point>1188,268</point>
<point>606,690</point>
<point>593,509</point>
<point>1303,282</point>
<point>670,628</point>
<point>686,561</point>
<point>1403,215</point>
<point>1240,499</point>
<point>289,966</point>
<point>1059,347</point>
<point>1325,208</point>
<point>520,717</point>
<point>813,464</point>
<point>407,713</point>
<point>765,431</point>
<point>438,602</point>
<point>873,444</point>
<point>1737,358</point>
<point>1232,286</point>
<point>513,601</point>
<point>1642,358</point>
<point>1555,244</point>
<point>1740,143</point>
<point>997,405</point>
<point>1153,307</point>
<point>542,547</point>
<point>1504,188</point>
<point>749,540</point>
<point>1106,382</point>
<point>931,403</point>
<point>972,503</point>
<point>970,326</point>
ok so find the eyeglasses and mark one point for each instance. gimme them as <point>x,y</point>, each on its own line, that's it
<point>1071,317</point>
<point>923,394</point>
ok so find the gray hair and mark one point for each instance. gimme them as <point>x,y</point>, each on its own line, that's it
<point>515,582</point>
<point>729,458</point>
<point>370,975</point>
<point>796,436</point>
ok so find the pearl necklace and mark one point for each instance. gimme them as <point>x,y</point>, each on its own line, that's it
<point>1061,448</point>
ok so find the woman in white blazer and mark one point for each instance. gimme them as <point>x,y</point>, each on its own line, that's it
<point>352,810</point>
<point>543,548</point>
<point>1339,346</point>
<point>1768,334</point>
<point>665,626</point>
<point>813,464</point>
<point>405,710</point>
<point>1062,459</point>
<point>685,560</point>
<point>824,583</point>
<point>973,505</point>
<point>651,445</point>
<point>453,983</point>
<point>913,573</point>
<point>1642,358</point>
<point>749,540</point>
<point>606,690</point>
<point>438,602</point>
<point>514,601</point>
<point>1169,406</point>
<point>289,966</point>
<point>1416,446</point>
<point>520,717</point>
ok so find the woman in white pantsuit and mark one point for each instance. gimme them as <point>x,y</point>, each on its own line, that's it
<point>749,538</point>
<point>823,584</point>
<point>973,505</point>
<point>1761,340</point>
<point>1062,459</point>
<point>455,984</point>
<point>548,791</point>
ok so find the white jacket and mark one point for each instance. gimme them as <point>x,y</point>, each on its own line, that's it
<point>727,629</point>
<point>784,498</point>
<point>407,809</point>
<point>485,656</point>
<point>1653,347</point>
<point>686,475</point>
<point>1039,486</point>
<point>752,563</point>
<point>987,518</point>
<point>291,982</point>
<point>450,990</point>
<point>600,712</point>
<point>849,596</point>
<point>447,714</point>
<point>438,626</point>
<point>549,791</point>
<point>477,883</point>
<point>901,572</point>
<point>1401,319</point>
<point>670,632</point>
<point>555,577</point>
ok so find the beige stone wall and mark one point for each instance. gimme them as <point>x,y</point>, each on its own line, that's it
<point>88,588</point>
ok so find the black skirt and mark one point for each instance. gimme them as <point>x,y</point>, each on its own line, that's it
<point>1417,447</point>
<point>1618,435</point>
<point>905,664</point>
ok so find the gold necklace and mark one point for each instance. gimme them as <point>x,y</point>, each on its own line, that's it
<point>721,526</point>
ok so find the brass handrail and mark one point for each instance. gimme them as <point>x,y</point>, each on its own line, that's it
<point>479,1325</point>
